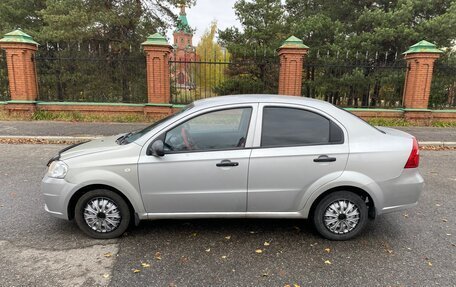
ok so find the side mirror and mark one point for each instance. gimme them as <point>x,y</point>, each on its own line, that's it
<point>156,149</point>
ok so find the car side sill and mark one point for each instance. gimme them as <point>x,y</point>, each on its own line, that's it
<point>398,208</point>
<point>190,215</point>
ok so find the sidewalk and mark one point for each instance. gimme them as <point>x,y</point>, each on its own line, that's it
<point>88,130</point>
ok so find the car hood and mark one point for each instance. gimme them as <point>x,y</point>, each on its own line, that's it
<point>93,146</point>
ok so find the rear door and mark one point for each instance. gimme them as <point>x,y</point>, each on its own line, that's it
<point>296,149</point>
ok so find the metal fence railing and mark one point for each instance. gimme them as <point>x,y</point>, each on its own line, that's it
<point>443,88</point>
<point>93,74</point>
<point>4,86</point>
<point>103,72</point>
<point>194,80</point>
<point>351,83</point>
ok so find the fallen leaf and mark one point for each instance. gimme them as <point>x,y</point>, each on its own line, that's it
<point>328,250</point>
<point>208,250</point>
<point>106,276</point>
<point>109,254</point>
<point>287,285</point>
<point>136,270</point>
<point>296,285</point>
<point>258,251</point>
<point>228,237</point>
<point>444,220</point>
<point>184,259</point>
<point>328,262</point>
<point>429,263</point>
<point>266,243</point>
<point>157,256</point>
<point>145,265</point>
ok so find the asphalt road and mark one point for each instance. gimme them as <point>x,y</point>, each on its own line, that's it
<point>412,248</point>
<point>54,128</point>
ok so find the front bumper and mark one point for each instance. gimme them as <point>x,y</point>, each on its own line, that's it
<point>57,194</point>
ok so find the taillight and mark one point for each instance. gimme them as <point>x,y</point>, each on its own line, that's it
<point>414,158</point>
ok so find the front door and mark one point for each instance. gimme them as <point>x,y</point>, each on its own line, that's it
<point>205,165</point>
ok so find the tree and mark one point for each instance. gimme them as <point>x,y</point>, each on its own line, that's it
<point>345,28</point>
<point>253,52</point>
<point>372,25</point>
<point>90,49</point>
<point>208,50</point>
<point>23,14</point>
<point>264,27</point>
<point>110,20</point>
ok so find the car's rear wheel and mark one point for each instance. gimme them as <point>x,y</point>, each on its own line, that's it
<point>340,215</point>
<point>102,214</point>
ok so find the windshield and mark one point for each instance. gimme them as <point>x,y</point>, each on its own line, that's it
<point>131,137</point>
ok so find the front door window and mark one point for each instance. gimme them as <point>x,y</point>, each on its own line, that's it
<point>219,130</point>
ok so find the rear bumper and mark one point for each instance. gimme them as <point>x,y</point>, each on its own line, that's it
<point>56,194</point>
<point>402,192</point>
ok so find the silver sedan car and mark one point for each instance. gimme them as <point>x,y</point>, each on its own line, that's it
<point>261,156</point>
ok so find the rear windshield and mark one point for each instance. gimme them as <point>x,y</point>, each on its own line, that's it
<point>361,119</point>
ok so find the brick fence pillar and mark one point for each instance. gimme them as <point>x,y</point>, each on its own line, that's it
<point>291,55</point>
<point>158,78</point>
<point>20,51</point>
<point>420,63</point>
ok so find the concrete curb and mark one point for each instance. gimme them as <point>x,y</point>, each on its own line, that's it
<point>45,139</point>
<point>437,143</point>
<point>78,139</point>
<point>52,137</point>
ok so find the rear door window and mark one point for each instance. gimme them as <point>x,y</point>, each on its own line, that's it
<point>283,126</point>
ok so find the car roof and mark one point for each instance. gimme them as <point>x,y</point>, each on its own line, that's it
<point>259,98</point>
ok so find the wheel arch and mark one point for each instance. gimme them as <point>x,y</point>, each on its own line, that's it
<point>75,197</point>
<point>357,190</point>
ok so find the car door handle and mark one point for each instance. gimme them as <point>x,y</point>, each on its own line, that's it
<point>324,158</point>
<point>227,162</point>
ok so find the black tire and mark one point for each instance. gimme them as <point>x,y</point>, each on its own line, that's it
<point>122,206</point>
<point>319,215</point>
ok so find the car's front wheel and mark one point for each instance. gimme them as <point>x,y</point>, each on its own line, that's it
<point>102,214</point>
<point>340,215</point>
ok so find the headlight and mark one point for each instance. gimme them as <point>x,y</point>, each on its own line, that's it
<point>57,169</point>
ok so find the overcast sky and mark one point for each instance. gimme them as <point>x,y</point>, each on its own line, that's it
<point>201,15</point>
